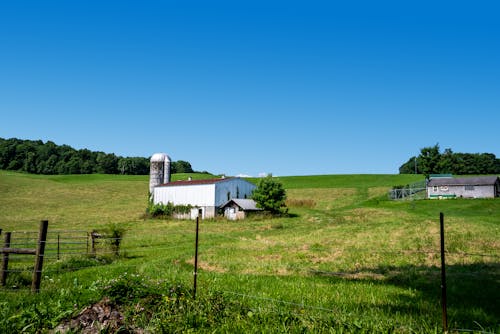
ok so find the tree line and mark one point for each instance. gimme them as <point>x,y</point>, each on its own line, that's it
<point>432,161</point>
<point>37,157</point>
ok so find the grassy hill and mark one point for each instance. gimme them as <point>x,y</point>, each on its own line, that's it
<point>346,260</point>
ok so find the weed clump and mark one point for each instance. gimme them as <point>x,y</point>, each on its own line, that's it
<point>165,211</point>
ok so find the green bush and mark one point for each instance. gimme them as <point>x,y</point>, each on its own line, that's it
<point>161,210</point>
<point>114,236</point>
<point>270,195</point>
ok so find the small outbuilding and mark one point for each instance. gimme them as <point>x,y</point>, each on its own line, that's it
<point>238,208</point>
<point>467,187</point>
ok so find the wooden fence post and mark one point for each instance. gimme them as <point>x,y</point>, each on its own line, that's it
<point>40,250</point>
<point>93,241</point>
<point>5,259</point>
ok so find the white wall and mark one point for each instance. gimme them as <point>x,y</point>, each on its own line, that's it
<point>196,195</point>
<point>460,191</point>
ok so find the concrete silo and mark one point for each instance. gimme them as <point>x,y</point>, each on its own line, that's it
<point>159,171</point>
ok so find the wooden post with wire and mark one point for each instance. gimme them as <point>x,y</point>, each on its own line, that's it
<point>40,252</point>
<point>5,259</point>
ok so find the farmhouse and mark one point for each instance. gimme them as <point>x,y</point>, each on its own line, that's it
<point>467,187</point>
<point>237,208</point>
<point>206,196</point>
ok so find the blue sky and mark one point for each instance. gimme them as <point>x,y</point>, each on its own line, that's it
<point>249,87</point>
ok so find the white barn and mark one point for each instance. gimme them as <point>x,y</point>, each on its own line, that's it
<point>206,195</point>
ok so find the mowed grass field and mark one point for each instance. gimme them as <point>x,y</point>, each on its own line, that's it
<point>347,259</point>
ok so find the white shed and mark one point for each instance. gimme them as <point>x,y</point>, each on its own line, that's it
<point>238,208</point>
<point>208,195</point>
<point>467,187</point>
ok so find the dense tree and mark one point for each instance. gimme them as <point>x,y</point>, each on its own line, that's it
<point>432,161</point>
<point>48,158</point>
<point>270,195</point>
<point>429,159</point>
<point>181,167</point>
<point>133,166</point>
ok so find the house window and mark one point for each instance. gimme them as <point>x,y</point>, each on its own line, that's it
<point>469,188</point>
<point>435,188</point>
<point>228,195</point>
<point>237,192</point>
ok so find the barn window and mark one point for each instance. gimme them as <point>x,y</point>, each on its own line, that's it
<point>468,187</point>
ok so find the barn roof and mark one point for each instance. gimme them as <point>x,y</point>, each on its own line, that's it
<point>465,181</point>
<point>245,204</point>
<point>198,182</point>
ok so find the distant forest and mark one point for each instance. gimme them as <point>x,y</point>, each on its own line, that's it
<point>432,161</point>
<point>37,157</point>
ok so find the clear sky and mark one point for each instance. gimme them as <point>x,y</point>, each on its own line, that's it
<point>249,87</point>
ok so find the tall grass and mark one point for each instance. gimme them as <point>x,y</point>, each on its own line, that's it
<point>346,260</point>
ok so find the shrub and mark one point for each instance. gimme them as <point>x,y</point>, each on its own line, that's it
<point>114,236</point>
<point>270,195</point>
<point>161,210</point>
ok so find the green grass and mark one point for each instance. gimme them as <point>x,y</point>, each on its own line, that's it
<point>346,260</point>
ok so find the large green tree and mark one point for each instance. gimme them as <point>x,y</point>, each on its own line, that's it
<point>270,195</point>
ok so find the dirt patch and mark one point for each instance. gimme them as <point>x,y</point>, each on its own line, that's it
<point>207,266</point>
<point>101,317</point>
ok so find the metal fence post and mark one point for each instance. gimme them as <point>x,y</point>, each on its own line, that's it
<point>58,246</point>
<point>443,276</point>
<point>195,273</point>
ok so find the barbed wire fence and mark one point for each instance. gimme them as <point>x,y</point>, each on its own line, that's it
<point>73,250</point>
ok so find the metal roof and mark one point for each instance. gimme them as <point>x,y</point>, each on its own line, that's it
<point>199,182</point>
<point>465,181</point>
<point>245,204</point>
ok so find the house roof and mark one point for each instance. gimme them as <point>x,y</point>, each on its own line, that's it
<point>245,204</point>
<point>465,181</point>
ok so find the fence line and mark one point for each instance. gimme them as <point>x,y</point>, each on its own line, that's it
<point>166,245</point>
<point>69,247</point>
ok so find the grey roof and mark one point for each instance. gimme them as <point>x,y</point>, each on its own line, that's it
<point>465,181</point>
<point>245,204</point>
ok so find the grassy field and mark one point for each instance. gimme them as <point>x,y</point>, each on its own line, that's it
<point>346,260</point>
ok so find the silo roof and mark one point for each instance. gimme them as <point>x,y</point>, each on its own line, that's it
<point>159,157</point>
